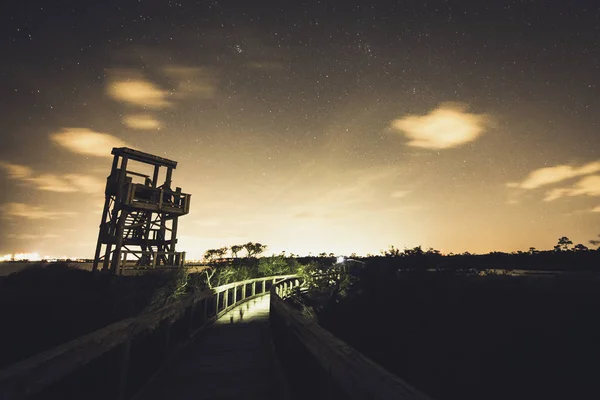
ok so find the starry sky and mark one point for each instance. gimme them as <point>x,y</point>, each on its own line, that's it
<point>313,126</point>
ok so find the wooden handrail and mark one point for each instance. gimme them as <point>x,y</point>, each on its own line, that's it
<point>33,374</point>
<point>355,374</point>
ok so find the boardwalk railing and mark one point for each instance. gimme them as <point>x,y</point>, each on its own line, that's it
<point>324,365</point>
<point>118,360</point>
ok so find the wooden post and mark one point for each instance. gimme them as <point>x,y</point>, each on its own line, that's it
<point>264,285</point>
<point>124,368</point>
<point>119,241</point>
<point>234,295</point>
<point>155,177</point>
<point>173,240</point>
<point>253,288</point>
<point>225,298</point>
<point>217,303</point>
<point>244,291</point>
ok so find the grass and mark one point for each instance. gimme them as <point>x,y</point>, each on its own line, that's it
<point>45,306</point>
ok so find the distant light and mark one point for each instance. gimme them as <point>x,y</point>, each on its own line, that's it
<point>27,256</point>
<point>341,259</point>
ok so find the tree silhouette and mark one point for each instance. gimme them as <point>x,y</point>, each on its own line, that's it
<point>220,252</point>
<point>564,243</point>
<point>392,252</point>
<point>533,250</point>
<point>415,251</point>
<point>235,249</point>
<point>254,249</point>
<point>580,247</point>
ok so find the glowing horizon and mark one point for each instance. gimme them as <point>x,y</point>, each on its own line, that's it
<point>332,132</point>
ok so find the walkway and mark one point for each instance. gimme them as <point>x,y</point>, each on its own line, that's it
<point>234,359</point>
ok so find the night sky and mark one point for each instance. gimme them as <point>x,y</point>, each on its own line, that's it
<point>331,126</point>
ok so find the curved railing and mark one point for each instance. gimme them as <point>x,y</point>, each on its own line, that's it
<point>325,366</point>
<point>118,360</point>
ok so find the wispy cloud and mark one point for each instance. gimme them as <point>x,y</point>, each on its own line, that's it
<point>29,236</point>
<point>87,142</point>
<point>587,186</point>
<point>550,175</point>
<point>22,210</point>
<point>399,194</point>
<point>16,171</point>
<point>54,183</point>
<point>449,125</point>
<point>142,121</point>
<point>194,82</point>
<point>131,87</point>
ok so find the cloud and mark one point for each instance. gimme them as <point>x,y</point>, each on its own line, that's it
<point>22,210</point>
<point>86,183</point>
<point>447,126</point>
<point>51,183</point>
<point>549,175</point>
<point>399,194</point>
<point>141,121</point>
<point>587,186</point>
<point>131,87</point>
<point>28,236</point>
<point>191,81</point>
<point>596,209</point>
<point>66,183</point>
<point>87,142</point>
<point>16,171</point>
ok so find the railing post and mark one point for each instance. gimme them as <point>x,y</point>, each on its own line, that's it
<point>253,288</point>
<point>234,295</point>
<point>226,298</point>
<point>244,291</point>
<point>217,303</point>
<point>264,285</point>
<point>124,368</point>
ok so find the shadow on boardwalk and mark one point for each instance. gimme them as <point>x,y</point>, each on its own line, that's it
<point>234,359</point>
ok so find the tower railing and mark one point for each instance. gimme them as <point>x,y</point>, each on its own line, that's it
<point>156,199</point>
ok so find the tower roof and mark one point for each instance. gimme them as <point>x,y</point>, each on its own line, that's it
<point>143,157</point>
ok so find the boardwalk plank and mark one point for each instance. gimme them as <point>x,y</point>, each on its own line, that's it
<point>232,360</point>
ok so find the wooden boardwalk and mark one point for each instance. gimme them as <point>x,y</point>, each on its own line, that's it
<point>234,359</point>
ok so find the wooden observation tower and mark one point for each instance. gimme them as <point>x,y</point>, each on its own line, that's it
<point>139,219</point>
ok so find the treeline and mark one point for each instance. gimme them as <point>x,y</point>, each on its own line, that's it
<point>240,262</point>
<point>562,258</point>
